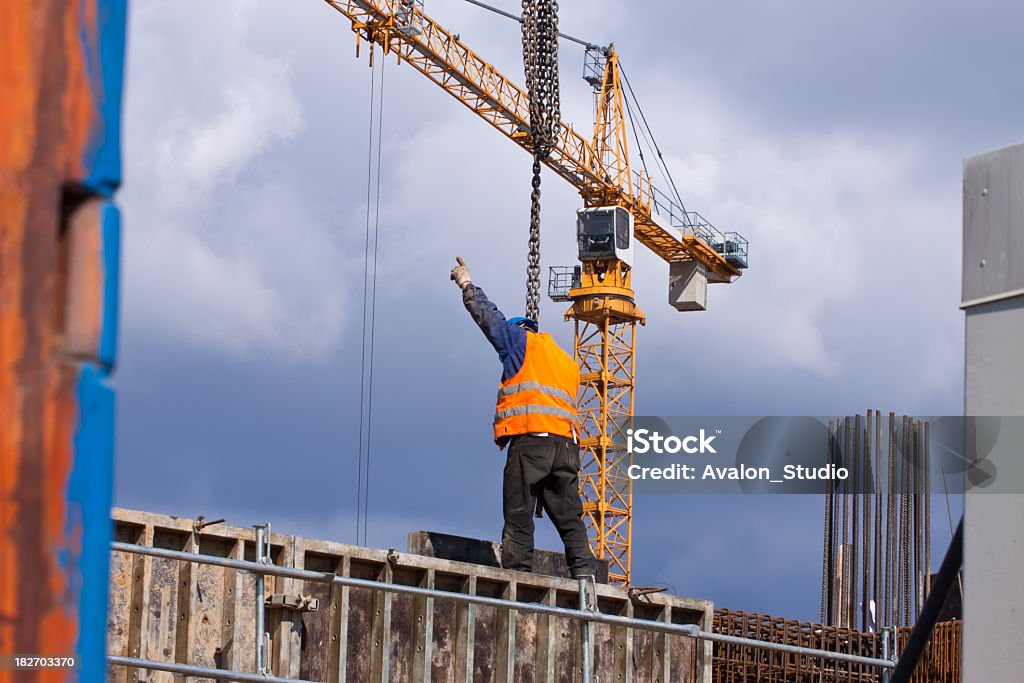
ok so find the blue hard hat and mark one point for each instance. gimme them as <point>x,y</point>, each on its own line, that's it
<point>528,323</point>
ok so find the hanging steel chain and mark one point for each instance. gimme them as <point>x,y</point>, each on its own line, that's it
<point>540,62</point>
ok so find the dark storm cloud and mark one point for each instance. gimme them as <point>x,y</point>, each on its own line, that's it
<point>909,66</point>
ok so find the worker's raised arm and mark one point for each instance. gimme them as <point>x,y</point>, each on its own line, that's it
<point>508,340</point>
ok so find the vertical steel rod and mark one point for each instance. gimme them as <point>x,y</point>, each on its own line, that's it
<point>890,527</point>
<point>919,522</point>
<point>837,522</point>
<point>826,555</point>
<point>844,601</point>
<point>877,589</point>
<point>885,653</point>
<point>854,493</point>
<point>901,523</point>
<point>261,668</point>
<point>585,631</point>
<point>905,569</point>
<point>926,466</point>
<point>866,543</point>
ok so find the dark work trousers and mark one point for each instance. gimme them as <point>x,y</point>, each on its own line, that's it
<point>545,467</point>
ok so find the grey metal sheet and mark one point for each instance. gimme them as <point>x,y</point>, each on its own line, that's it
<point>993,241</point>
<point>993,265</point>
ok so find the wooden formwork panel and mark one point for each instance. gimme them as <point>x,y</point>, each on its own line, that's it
<point>204,615</point>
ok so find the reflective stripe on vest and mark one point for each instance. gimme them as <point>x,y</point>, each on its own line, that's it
<point>533,409</point>
<point>537,386</point>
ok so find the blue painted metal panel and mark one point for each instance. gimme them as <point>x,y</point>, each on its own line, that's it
<point>105,64</point>
<point>89,495</point>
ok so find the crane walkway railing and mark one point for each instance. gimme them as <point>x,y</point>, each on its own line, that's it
<point>585,616</point>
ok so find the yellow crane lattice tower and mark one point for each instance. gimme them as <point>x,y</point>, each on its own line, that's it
<point>605,349</point>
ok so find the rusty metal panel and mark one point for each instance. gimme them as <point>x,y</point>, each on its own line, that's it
<point>361,635</point>
<point>59,239</point>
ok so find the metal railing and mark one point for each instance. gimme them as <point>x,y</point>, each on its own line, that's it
<point>733,246</point>
<point>200,671</point>
<point>585,615</point>
<point>562,279</point>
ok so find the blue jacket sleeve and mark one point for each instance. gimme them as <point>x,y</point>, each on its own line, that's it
<point>508,340</point>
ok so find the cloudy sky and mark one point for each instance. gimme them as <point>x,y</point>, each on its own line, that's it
<point>831,135</point>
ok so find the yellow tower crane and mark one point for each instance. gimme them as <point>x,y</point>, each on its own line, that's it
<point>621,204</point>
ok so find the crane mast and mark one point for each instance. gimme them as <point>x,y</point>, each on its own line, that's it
<point>603,310</point>
<point>605,318</point>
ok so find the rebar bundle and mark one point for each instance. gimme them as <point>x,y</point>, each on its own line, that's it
<point>875,565</point>
<point>746,663</point>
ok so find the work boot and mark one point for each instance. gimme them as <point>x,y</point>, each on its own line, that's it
<point>589,570</point>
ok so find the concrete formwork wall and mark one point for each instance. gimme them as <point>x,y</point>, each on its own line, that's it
<point>198,614</point>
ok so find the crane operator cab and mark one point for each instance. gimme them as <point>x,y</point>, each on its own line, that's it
<point>605,232</point>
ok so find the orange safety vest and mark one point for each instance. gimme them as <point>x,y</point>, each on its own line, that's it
<point>541,397</point>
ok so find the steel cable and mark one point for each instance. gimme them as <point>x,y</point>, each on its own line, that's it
<point>369,306</point>
<point>654,143</point>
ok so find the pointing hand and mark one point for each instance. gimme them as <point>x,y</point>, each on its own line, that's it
<point>460,273</point>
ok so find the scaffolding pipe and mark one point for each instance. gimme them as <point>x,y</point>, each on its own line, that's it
<point>199,671</point>
<point>685,630</point>
<point>885,653</point>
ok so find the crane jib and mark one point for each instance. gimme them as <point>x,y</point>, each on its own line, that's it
<point>445,59</point>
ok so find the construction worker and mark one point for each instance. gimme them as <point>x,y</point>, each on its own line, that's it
<point>535,418</point>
